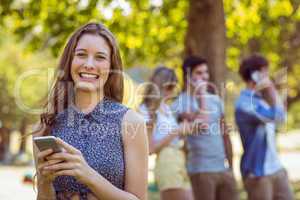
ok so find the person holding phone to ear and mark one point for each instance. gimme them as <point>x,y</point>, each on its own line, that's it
<point>104,147</point>
<point>257,113</point>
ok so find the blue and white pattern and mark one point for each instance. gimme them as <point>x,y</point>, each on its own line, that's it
<point>98,136</point>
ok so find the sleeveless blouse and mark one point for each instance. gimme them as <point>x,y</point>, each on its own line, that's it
<point>98,136</point>
<point>165,123</point>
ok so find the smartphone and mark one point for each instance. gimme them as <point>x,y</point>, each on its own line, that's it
<point>256,76</point>
<point>47,142</point>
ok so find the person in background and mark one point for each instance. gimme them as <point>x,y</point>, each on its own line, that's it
<point>163,133</point>
<point>209,149</point>
<point>257,113</point>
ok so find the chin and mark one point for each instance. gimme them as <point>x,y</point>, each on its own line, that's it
<point>86,86</point>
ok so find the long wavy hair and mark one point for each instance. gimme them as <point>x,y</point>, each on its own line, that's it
<point>62,89</point>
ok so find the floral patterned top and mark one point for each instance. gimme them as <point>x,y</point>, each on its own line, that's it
<point>98,136</point>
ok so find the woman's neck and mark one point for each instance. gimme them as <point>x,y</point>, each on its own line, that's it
<point>86,101</point>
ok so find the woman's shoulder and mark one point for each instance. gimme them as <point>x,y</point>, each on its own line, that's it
<point>134,129</point>
<point>110,109</point>
<point>142,109</point>
<point>112,105</point>
<point>134,117</point>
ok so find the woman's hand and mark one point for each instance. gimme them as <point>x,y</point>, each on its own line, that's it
<point>45,176</point>
<point>189,116</point>
<point>185,128</point>
<point>73,163</point>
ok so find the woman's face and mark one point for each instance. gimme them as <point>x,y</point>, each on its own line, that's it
<point>168,90</point>
<point>91,63</point>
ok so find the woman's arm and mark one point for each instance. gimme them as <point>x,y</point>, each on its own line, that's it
<point>136,154</point>
<point>136,163</point>
<point>156,147</point>
<point>185,128</point>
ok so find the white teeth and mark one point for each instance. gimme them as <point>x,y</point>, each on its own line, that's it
<point>85,75</point>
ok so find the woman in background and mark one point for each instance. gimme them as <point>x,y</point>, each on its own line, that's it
<point>164,136</point>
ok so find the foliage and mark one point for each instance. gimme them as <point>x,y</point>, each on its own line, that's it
<point>148,33</point>
<point>24,78</point>
<point>152,32</point>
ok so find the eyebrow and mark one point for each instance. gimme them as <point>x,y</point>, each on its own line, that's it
<point>99,52</point>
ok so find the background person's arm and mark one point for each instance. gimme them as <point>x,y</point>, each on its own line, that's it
<point>184,128</point>
<point>156,146</point>
<point>227,142</point>
<point>275,112</point>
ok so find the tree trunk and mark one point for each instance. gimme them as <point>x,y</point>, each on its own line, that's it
<point>4,142</point>
<point>205,36</point>
<point>23,127</point>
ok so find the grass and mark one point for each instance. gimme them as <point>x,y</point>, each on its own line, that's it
<point>154,194</point>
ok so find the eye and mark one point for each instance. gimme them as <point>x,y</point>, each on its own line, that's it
<point>99,57</point>
<point>81,55</point>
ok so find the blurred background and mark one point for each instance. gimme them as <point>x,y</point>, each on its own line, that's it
<point>150,33</point>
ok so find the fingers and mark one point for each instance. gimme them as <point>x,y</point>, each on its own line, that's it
<point>69,148</point>
<point>43,154</point>
<point>67,172</point>
<point>48,163</point>
<point>60,166</point>
<point>186,128</point>
<point>63,156</point>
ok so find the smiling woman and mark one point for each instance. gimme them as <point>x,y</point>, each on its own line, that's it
<point>100,158</point>
<point>96,61</point>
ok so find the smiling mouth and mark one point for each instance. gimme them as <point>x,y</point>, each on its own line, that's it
<point>88,75</point>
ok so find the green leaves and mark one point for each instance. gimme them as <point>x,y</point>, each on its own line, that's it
<point>142,27</point>
<point>150,32</point>
<point>24,77</point>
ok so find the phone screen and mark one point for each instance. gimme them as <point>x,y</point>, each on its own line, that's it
<point>47,142</point>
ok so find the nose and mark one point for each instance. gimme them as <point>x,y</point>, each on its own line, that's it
<point>89,64</point>
<point>206,77</point>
